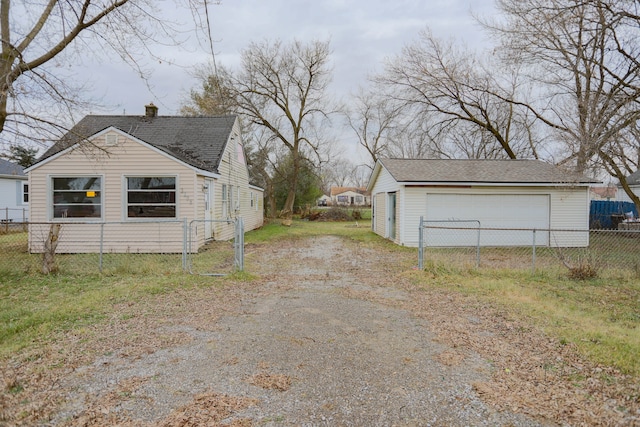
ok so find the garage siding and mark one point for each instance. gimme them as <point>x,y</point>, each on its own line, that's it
<point>568,210</point>
<point>384,184</point>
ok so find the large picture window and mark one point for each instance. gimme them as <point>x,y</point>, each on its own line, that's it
<point>151,197</point>
<point>77,197</point>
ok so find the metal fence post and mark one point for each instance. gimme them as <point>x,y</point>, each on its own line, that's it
<point>101,245</point>
<point>421,244</point>
<point>478,247</point>
<point>239,244</point>
<point>185,233</point>
<point>533,261</point>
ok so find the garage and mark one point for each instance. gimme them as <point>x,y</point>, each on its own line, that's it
<point>507,199</point>
<point>518,213</point>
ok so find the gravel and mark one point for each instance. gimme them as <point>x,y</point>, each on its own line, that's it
<point>309,352</point>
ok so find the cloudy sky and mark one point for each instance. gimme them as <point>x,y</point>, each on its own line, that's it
<point>362,34</point>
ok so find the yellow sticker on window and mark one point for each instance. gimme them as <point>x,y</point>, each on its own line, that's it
<point>91,194</point>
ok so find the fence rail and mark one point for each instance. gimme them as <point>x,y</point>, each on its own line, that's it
<point>145,246</point>
<point>469,244</point>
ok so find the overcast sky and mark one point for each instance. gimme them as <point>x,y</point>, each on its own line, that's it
<point>362,34</point>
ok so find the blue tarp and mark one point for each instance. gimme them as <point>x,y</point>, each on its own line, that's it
<point>607,214</point>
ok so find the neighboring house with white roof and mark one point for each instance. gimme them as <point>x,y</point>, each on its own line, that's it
<point>517,194</point>
<point>14,192</point>
<point>134,172</point>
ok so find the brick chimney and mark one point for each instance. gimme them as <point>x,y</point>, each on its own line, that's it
<point>150,110</point>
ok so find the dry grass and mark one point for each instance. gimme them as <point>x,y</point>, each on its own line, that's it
<point>270,381</point>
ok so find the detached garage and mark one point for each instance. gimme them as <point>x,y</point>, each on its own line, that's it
<point>519,195</point>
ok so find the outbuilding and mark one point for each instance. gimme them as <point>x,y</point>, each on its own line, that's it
<point>518,195</point>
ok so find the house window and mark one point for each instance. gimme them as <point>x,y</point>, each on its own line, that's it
<point>77,197</point>
<point>151,197</point>
<point>25,193</point>
<point>359,200</point>
<point>251,195</point>
<point>343,200</point>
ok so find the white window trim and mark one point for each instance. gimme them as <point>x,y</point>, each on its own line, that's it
<point>22,202</point>
<point>72,219</point>
<point>125,198</point>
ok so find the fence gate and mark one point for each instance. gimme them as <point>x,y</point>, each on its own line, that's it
<point>221,254</point>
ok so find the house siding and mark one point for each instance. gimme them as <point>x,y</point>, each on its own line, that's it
<point>622,195</point>
<point>112,164</point>
<point>233,172</point>
<point>11,204</point>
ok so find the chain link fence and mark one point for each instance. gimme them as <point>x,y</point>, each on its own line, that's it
<point>141,247</point>
<point>582,252</point>
<point>9,217</point>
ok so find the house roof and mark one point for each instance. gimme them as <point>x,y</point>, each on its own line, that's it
<point>339,190</point>
<point>197,141</point>
<point>634,178</point>
<point>8,168</point>
<point>479,171</point>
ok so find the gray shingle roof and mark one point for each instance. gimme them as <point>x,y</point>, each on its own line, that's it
<point>197,141</point>
<point>8,168</point>
<point>479,171</point>
<point>634,178</point>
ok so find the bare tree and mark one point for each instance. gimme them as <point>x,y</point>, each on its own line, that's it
<point>215,97</point>
<point>283,88</point>
<point>450,86</point>
<point>584,58</point>
<point>373,117</point>
<point>42,40</point>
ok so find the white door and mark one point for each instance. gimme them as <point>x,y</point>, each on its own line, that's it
<point>208,208</point>
<point>520,213</point>
<point>391,216</point>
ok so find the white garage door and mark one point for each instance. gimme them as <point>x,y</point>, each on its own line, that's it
<point>519,213</point>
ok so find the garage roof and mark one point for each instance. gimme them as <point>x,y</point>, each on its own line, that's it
<point>479,171</point>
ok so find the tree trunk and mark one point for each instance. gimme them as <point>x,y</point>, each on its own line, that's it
<point>50,245</point>
<point>287,210</point>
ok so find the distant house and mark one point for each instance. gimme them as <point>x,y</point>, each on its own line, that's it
<point>134,171</point>
<point>515,194</point>
<point>608,192</point>
<point>324,200</point>
<point>14,192</point>
<point>633,181</point>
<point>350,196</point>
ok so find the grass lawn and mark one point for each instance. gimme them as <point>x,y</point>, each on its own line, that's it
<point>600,316</point>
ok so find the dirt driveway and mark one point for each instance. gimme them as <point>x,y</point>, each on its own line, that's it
<point>333,334</point>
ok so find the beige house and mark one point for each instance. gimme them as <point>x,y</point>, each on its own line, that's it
<point>143,184</point>
<point>516,195</point>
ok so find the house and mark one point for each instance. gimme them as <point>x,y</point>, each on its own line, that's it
<point>14,192</point>
<point>134,172</point>
<point>350,196</point>
<point>633,181</point>
<point>609,192</point>
<point>324,200</point>
<point>517,194</point>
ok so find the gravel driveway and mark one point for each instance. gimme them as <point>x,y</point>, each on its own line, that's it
<point>324,340</point>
